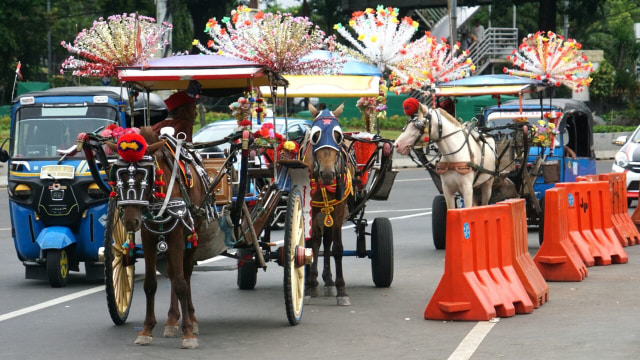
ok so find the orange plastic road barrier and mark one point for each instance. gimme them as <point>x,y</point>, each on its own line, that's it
<point>623,226</point>
<point>587,178</point>
<point>591,207</point>
<point>557,258</point>
<point>479,281</point>
<point>529,275</point>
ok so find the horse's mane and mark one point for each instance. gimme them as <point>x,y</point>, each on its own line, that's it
<point>449,117</point>
<point>149,135</point>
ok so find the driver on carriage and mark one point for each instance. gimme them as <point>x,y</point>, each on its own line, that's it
<point>182,113</point>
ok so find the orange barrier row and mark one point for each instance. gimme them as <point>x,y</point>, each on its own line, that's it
<point>529,275</point>
<point>479,280</point>
<point>590,227</point>
<point>623,226</point>
<point>557,259</point>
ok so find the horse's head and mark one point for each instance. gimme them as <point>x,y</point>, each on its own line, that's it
<point>134,178</point>
<point>413,132</point>
<point>326,140</point>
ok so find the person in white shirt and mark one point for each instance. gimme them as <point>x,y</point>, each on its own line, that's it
<point>477,30</point>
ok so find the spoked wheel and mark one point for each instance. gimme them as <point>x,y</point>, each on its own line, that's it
<point>293,259</point>
<point>57,267</point>
<point>118,276</point>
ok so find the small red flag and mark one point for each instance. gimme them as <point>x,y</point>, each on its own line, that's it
<point>18,70</point>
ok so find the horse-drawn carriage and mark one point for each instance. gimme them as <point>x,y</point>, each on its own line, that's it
<point>530,144</point>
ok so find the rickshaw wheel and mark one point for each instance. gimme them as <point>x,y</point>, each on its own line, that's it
<point>382,252</point>
<point>118,277</point>
<point>57,267</point>
<point>294,274</point>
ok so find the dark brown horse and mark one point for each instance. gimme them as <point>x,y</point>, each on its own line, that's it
<point>333,185</point>
<point>142,209</point>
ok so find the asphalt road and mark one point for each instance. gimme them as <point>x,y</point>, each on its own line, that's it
<point>593,319</point>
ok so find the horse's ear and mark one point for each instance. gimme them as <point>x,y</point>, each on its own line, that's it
<point>424,109</point>
<point>339,110</point>
<point>155,147</point>
<point>312,109</point>
<point>111,145</point>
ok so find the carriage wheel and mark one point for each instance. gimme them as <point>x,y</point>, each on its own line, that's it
<point>57,267</point>
<point>247,270</point>
<point>118,277</point>
<point>382,252</point>
<point>439,222</point>
<point>293,271</point>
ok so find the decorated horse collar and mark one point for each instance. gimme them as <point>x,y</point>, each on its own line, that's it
<point>326,132</point>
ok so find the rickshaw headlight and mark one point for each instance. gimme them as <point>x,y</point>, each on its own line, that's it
<point>621,159</point>
<point>22,190</point>
<point>94,191</point>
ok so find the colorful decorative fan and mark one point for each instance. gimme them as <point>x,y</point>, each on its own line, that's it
<point>379,35</point>
<point>549,56</point>
<point>121,40</point>
<point>278,41</point>
<point>427,61</point>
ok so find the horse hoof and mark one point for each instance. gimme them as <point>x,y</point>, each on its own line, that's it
<point>190,343</point>
<point>311,292</point>
<point>307,300</point>
<point>195,329</point>
<point>143,340</point>
<point>171,331</point>
<point>343,301</point>
<point>330,291</point>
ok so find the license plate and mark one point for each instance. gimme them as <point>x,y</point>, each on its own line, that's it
<point>57,172</point>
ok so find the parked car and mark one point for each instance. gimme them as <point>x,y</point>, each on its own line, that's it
<point>627,160</point>
<point>221,128</point>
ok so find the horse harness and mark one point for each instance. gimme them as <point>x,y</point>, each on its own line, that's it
<point>461,167</point>
<point>165,213</point>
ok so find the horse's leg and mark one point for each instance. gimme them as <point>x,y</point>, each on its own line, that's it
<point>145,336</point>
<point>449,195</point>
<point>311,281</point>
<point>466,189</point>
<point>337,249</point>
<point>179,285</point>
<point>171,325</point>
<point>485,190</point>
<point>327,276</point>
<point>188,271</point>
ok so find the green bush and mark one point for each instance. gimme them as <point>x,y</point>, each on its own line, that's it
<point>612,128</point>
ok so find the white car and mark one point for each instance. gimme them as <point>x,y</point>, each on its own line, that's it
<point>627,160</point>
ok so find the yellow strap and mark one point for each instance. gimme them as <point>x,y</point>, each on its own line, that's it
<point>327,206</point>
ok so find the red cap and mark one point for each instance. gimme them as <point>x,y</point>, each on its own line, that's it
<point>178,99</point>
<point>410,106</point>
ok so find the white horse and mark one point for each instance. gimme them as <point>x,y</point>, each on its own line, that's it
<point>468,159</point>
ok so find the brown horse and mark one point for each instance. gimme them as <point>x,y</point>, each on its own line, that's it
<point>139,205</point>
<point>333,185</point>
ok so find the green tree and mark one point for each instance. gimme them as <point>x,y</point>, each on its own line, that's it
<point>603,83</point>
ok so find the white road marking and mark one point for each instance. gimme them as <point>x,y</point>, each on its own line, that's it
<point>396,210</point>
<point>50,303</point>
<point>470,343</point>
<point>420,179</point>
<point>1,229</point>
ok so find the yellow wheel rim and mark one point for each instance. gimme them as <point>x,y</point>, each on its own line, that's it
<point>64,264</point>
<point>122,276</point>
<point>297,272</point>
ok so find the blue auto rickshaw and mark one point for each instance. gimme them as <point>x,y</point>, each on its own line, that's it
<point>58,212</point>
